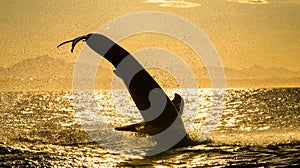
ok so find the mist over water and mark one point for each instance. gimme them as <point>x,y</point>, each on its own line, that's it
<point>259,127</point>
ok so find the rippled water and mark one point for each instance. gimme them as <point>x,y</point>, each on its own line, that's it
<point>259,127</point>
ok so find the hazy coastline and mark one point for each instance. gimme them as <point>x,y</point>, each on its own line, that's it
<point>48,74</point>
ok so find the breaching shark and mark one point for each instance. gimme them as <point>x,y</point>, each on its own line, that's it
<point>158,111</point>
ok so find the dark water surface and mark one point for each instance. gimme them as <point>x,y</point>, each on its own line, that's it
<point>258,128</point>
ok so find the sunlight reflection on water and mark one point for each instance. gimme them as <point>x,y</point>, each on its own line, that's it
<point>258,127</point>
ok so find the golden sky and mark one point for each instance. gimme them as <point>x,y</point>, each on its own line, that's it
<point>245,33</point>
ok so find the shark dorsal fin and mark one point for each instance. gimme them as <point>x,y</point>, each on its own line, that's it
<point>178,103</point>
<point>116,73</point>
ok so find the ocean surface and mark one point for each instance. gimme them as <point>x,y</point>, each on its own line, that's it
<point>256,128</point>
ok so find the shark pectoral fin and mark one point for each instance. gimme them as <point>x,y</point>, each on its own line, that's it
<point>178,103</point>
<point>131,128</point>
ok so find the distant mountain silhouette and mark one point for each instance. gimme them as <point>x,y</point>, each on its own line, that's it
<point>40,73</point>
<point>47,73</point>
<point>40,67</point>
<point>259,72</point>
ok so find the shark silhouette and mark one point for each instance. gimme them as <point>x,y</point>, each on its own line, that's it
<point>139,85</point>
